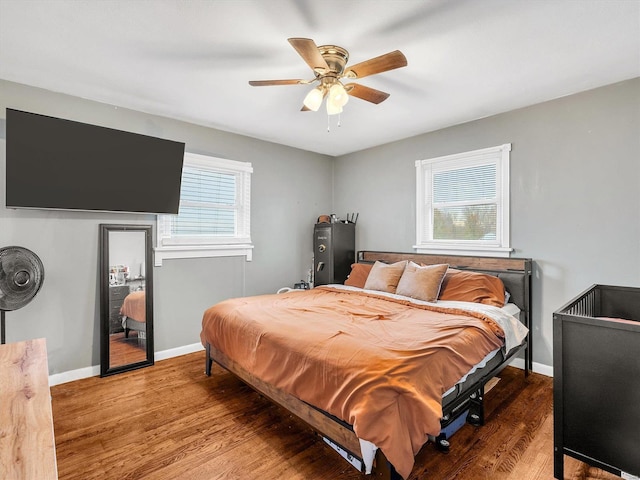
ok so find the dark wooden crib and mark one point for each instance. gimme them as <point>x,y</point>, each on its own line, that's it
<point>596,380</point>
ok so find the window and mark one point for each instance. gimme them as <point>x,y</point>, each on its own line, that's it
<point>214,215</point>
<point>462,203</point>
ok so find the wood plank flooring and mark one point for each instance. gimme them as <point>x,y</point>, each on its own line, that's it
<point>123,351</point>
<point>170,421</point>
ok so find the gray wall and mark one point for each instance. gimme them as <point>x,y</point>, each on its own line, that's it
<point>575,192</point>
<point>575,203</point>
<point>290,188</point>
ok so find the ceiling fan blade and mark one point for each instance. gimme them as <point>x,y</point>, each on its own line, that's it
<point>366,93</point>
<point>266,83</point>
<point>309,52</point>
<point>383,63</point>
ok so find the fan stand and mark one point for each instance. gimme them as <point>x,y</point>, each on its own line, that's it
<point>2,330</point>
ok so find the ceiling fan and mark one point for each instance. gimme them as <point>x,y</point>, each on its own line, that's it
<point>328,63</point>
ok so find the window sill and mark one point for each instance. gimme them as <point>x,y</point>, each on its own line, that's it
<point>230,250</point>
<point>478,251</point>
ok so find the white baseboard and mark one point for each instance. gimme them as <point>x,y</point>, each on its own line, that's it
<point>176,352</point>
<point>94,371</point>
<point>540,368</point>
<point>70,376</point>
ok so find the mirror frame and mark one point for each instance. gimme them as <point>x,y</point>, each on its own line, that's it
<point>105,368</point>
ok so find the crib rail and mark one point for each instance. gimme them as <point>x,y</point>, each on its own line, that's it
<point>605,301</point>
<point>583,306</point>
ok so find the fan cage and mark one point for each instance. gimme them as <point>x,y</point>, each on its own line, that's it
<point>21,276</point>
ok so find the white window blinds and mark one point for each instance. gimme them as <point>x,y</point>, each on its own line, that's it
<point>463,201</point>
<point>214,214</point>
<point>208,201</point>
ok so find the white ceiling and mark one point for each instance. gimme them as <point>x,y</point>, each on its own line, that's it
<point>192,59</point>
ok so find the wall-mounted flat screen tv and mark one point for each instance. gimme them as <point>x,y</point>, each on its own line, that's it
<point>54,163</point>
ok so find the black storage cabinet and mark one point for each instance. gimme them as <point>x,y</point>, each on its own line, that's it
<point>596,380</point>
<point>334,251</point>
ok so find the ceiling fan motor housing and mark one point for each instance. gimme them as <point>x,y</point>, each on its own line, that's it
<point>336,57</point>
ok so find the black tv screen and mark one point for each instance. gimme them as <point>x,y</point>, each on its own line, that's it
<point>54,163</point>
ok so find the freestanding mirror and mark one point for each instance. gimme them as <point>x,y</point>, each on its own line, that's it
<point>126,298</point>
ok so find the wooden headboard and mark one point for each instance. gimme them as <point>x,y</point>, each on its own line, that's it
<point>515,273</point>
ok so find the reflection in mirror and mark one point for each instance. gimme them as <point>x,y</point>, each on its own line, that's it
<point>126,298</point>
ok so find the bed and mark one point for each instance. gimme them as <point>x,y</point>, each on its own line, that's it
<point>133,312</point>
<point>378,373</point>
<point>596,391</point>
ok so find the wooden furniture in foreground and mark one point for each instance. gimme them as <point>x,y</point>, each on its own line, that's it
<point>27,446</point>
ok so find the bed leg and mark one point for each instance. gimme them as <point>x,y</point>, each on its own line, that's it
<point>208,361</point>
<point>476,408</point>
<point>383,469</point>
<point>442,444</point>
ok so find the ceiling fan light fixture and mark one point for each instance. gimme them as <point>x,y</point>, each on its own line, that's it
<point>333,107</point>
<point>313,100</point>
<point>338,95</point>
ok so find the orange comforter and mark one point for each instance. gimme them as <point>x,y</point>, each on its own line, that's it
<point>134,306</point>
<point>382,365</point>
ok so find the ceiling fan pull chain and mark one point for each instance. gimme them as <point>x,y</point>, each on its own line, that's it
<point>339,119</point>
<point>328,123</point>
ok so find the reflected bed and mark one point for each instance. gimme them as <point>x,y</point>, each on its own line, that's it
<point>133,313</point>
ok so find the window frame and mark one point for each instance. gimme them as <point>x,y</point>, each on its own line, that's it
<point>239,244</point>
<point>425,169</point>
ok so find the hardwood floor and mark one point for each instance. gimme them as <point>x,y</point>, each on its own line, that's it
<point>123,351</point>
<point>170,421</point>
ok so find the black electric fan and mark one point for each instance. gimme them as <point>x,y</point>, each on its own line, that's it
<point>21,276</point>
